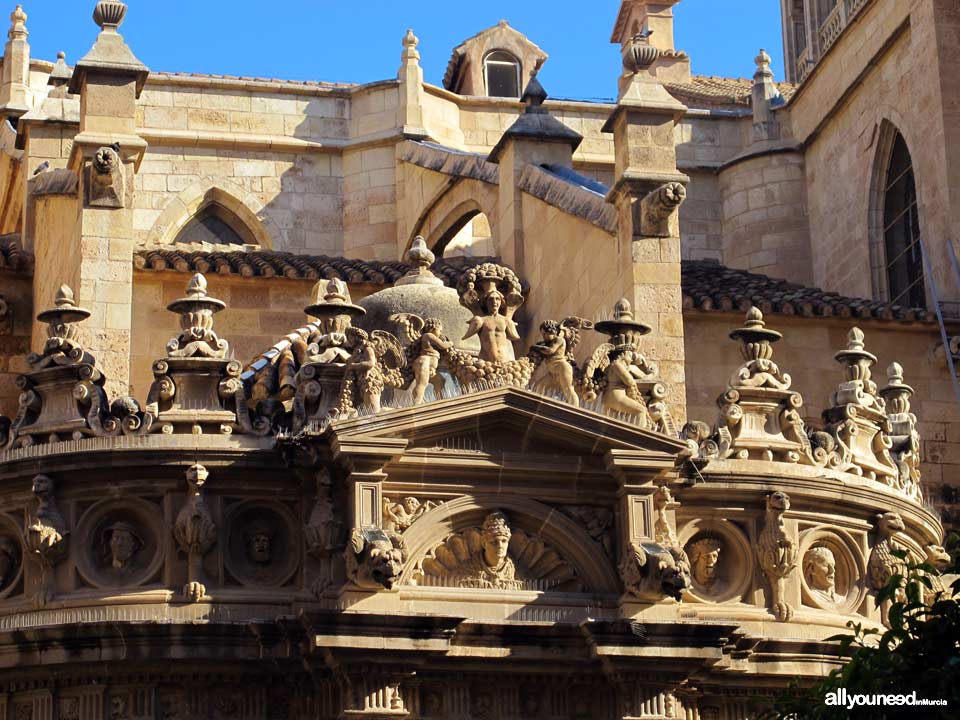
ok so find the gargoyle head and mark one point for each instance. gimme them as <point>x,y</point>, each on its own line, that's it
<point>386,564</point>
<point>42,486</point>
<point>107,159</point>
<point>889,523</point>
<point>675,576</point>
<point>778,501</point>
<point>938,557</point>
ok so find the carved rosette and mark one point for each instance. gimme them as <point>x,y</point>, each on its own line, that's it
<point>857,422</point>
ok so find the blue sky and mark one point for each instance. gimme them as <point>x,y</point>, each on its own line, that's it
<point>339,40</point>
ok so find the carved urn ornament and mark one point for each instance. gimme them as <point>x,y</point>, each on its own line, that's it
<point>196,310</point>
<point>904,438</point>
<point>63,336</point>
<point>109,14</point>
<point>638,54</point>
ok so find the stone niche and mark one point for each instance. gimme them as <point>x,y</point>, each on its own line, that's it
<point>832,570</point>
<point>721,560</point>
<point>120,543</point>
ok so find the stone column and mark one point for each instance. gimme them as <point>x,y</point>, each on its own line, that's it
<point>105,157</point>
<point>647,192</point>
<point>14,85</point>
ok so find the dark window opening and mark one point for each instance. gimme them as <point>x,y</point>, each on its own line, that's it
<point>901,231</point>
<point>502,74</point>
<point>211,226</point>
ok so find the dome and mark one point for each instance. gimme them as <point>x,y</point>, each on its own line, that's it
<point>422,293</point>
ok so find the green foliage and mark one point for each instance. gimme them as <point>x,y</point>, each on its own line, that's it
<point>919,652</point>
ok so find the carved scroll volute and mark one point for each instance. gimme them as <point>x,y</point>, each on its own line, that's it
<point>195,531</point>
<point>46,536</point>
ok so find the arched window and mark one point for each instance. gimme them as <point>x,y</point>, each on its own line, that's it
<point>215,225</point>
<point>501,71</point>
<point>901,231</point>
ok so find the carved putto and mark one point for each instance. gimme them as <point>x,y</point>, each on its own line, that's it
<point>652,572</point>
<point>777,554</point>
<point>621,375</point>
<point>425,343</point>
<point>884,563</point>
<point>400,516</point>
<point>495,556</point>
<point>374,364</point>
<point>374,558</point>
<point>555,355</point>
<point>195,531</point>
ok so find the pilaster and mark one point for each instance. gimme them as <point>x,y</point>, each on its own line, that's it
<point>105,157</point>
<point>410,76</point>
<point>647,192</point>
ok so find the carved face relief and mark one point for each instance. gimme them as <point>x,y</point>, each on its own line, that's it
<point>705,557</point>
<point>778,501</point>
<point>260,545</point>
<point>820,567</point>
<point>496,540</point>
<point>492,302</point>
<point>123,543</point>
<point>411,505</point>
<point>386,566</point>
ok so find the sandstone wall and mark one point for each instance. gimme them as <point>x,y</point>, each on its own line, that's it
<point>806,354</point>
<point>764,218</point>
<point>885,68</point>
<point>15,327</point>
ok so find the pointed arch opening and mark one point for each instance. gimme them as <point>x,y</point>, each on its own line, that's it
<point>215,225</point>
<point>895,231</point>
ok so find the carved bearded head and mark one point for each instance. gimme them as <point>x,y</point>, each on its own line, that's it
<point>260,543</point>
<point>495,539</point>
<point>705,557</point>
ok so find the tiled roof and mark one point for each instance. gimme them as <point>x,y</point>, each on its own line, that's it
<point>713,91</point>
<point>711,286</point>
<point>268,263</point>
<point>707,286</point>
<point>12,258</point>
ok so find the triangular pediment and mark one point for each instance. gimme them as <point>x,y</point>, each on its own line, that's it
<point>506,421</point>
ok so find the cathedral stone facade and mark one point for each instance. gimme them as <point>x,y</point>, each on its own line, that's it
<point>414,400</point>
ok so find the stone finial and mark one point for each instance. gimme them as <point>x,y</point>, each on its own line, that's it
<point>196,310</point>
<point>62,333</point>
<point>897,393</point>
<point>762,61</point>
<point>623,330</point>
<point>410,43</point>
<point>857,362</point>
<point>61,73</point>
<point>18,27</point>
<point>332,306</point>
<point>109,15</point>
<point>534,95</point>
<point>421,257</point>
<point>756,348</point>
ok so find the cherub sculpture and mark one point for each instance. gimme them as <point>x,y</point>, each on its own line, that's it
<point>555,352</point>
<point>426,342</point>
<point>615,371</point>
<point>374,363</point>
